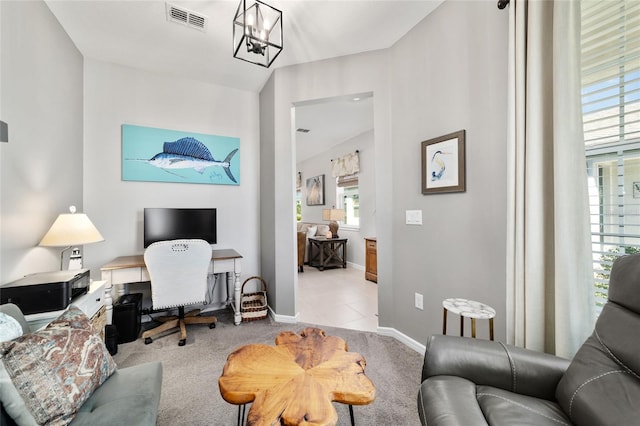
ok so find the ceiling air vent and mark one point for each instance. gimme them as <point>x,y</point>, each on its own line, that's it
<point>186,17</point>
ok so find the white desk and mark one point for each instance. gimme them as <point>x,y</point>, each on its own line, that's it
<point>131,269</point>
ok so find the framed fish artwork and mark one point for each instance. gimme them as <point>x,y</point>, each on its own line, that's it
<point>443,164</point>
<point>160,155</point>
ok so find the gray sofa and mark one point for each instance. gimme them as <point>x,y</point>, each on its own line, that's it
<point>130,396</point>
<point>477,382</point>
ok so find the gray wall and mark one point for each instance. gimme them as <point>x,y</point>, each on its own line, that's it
<point>1,147</point>
<point>116,95</point>
<point>456,80</point>
<point>65,116</point>
<point>321,164</point>
<point>289,86</point>
<point>448,73</point>
<point>41,166</point>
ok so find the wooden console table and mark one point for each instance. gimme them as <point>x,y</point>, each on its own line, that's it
<point>295,381</point>
<point>371,259</point>
<point>124,270</point>
<point>327,252</point>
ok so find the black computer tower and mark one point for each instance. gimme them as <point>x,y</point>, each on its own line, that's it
<point>127,317</point>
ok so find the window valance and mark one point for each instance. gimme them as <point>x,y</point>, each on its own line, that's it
<point>346,165</point>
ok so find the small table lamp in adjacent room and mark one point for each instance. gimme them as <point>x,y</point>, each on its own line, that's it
<point>71,229</point>
<point>333,215</point>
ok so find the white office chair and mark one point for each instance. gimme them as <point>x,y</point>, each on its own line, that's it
<point>178,270</point>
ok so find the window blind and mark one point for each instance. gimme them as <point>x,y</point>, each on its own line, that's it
<point>610,62</point>
<point>610,71</point>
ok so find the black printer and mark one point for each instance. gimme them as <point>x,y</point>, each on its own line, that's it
<point>45,291</point>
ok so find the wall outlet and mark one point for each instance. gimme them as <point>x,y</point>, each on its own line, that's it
<point>418,301</point>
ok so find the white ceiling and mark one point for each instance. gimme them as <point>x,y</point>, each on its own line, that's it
<point>331,122</point>
<point>136,33</point>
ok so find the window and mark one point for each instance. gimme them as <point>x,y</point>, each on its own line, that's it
<point>611,115</point>
<point>298,205</point>
<point>348,198</point>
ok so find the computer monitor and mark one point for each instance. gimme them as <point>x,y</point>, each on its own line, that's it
<point>161,224</point>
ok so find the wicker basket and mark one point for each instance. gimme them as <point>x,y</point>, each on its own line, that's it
<point>253,306</point>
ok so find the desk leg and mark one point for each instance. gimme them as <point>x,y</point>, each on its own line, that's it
<point>237,317</point>
<point>231,293</point>
<point>108,302</point>
<point>108,297</point>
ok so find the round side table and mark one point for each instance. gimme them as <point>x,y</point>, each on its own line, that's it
<point>470,309</point>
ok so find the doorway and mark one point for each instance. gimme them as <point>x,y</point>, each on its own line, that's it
<point>326,129</point>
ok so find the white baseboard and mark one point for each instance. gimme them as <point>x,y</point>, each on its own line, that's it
<point>403,338</point>
<point>355,266</point>
<point>287,319</point>
<point>383,331</point>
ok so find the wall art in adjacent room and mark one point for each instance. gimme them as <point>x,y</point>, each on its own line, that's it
<point>315,191</point>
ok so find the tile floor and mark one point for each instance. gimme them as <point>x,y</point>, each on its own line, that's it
<point>337,298</point>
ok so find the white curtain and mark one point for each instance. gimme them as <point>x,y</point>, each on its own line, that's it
<point>549,269</point>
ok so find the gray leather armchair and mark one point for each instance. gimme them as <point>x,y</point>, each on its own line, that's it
<point>478,382</point>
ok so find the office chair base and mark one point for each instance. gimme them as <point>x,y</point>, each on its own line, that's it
<point>180,321</point>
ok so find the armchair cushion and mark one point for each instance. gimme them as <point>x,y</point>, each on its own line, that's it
<point>494,364</point>
<point>477,382</point>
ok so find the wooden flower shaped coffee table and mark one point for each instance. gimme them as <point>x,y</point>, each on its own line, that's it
<point>294,382</point>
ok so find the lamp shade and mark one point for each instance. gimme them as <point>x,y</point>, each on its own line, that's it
<point>71,229</point>
<point>332,214</point>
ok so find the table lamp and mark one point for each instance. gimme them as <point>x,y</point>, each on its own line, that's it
<point>71,229</point>
<point>333,215</point>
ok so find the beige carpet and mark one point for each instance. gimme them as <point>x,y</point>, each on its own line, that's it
<point>190,394</point>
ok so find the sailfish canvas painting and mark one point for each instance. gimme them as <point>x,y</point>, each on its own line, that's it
<point>160,155</point>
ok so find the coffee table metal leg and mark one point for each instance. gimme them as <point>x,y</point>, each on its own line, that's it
<point>241,412</point>
<point>353,422</point>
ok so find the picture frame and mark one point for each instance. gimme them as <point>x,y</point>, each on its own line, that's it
<point>636,189</point>
<point>443,164</point>
<point>152,154</point>
<point>315,191</point>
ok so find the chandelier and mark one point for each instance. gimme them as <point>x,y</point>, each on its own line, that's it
<point>257,33</point>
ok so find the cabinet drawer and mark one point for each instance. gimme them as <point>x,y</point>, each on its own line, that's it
<point>371,244</point>
<point>123,276</point>
<point>91,302</point>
